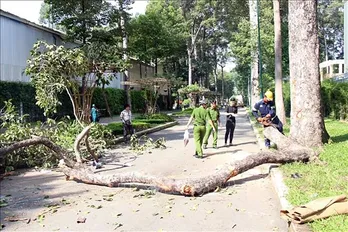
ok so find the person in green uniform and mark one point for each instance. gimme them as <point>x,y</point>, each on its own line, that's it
<point>201,116</point>
<point>215,117</point>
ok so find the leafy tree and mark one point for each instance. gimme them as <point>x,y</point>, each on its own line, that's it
<point>56,69</point>
<point>330,21</point>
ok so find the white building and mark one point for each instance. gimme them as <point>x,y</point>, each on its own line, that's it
<point>331,68</point>
<point>17,38</point>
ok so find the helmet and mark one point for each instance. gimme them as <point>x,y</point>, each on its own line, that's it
<point>269,95</point>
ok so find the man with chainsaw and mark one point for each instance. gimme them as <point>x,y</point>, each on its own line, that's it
<point>264,112</point>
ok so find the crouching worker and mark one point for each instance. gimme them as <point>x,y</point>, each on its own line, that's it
<point>264,110</point>
<point>215,117</point>
<point>201,116</point>
<point>126,118</point>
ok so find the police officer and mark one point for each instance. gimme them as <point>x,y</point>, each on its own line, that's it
<point>215,117</point>
<point>201,116</point>
<point>265,109</point>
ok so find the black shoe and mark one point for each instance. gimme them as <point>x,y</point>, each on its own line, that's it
<point>205,146</point>
<point>198,156</point>
<point>215,147</point>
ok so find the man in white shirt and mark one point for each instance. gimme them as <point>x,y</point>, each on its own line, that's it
<point>126,118</point>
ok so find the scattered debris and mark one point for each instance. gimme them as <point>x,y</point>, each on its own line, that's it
<point>234,226</point>
<point>81,220</point>
<point>117,225</point>
<point>46,197</point>
<point>155,214</point>
<point>16,219</point>
<point>296,175</point>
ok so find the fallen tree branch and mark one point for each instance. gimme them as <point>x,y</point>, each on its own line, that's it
<point>78,140</point>
<point>35,140</point>
<point>289,152</point>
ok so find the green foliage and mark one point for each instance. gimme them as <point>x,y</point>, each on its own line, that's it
<point>335,99</point>
<point>183,113</point>
<point>325,179</point>
<point>330,22</point>
<point>117,127</point>
<point>144,143</point>
<point>54,70</point>
<point>138,101</point>
<point>62,133</point>
<point>115,97</point>
<point>286,97</point>
<point>154,117</point>
<point>192,89</point>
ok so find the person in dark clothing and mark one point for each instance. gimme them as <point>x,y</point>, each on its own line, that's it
<point>126,118</point>
<point>265,109</point>
<point>232,110</point>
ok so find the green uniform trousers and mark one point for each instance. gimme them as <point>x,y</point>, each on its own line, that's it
<point>208,132</point>
<point>198,135</point>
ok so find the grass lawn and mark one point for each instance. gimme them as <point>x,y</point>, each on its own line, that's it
<point>325,180</point>
<point>320,180</point>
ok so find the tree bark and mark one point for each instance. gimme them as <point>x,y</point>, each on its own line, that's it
<point>307,123</point>
<point>279,101</point>
<point>255,90</point>
<point>289,152</point>
<point>189,60</point>
<point>204,184</point>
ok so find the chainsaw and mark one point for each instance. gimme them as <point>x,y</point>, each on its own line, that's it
<point>265,121</point>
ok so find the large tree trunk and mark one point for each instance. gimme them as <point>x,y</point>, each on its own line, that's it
<point>189,60</point>
<point>279,101</point>
<point>289,152</point>
<point>125,53</point>
<point>307,123</point>
<point>255,90</point>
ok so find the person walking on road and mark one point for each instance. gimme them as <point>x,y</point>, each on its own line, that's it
<point>232,111</point>
<point>94,113</point>
<point>201,116</point>
<point>215,117</point>
<point>126,118</point>
<point>265,110</point>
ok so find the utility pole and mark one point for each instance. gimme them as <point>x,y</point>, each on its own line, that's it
<point>345,37</point>
<point>259,48</point>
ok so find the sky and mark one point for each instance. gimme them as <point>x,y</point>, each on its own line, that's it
<point>30,10</point>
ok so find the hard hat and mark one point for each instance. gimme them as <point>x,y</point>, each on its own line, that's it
<point>269,95</point>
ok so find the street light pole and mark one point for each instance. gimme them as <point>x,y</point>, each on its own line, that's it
<point>259,48</point>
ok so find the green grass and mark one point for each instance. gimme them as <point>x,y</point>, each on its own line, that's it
<point>183,113</point>
<point>324,180</point>
<point>330,178</point>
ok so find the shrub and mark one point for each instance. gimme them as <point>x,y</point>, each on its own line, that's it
<point>62,133</point>
<point>138,101</point>
<point>117,127</point>
<point>335,99</point>
<point>163,117</point>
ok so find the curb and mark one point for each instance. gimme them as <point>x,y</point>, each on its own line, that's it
<point>150,130</point>
<point>279,186</point>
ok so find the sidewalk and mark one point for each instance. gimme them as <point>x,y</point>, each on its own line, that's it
<point>248,204</point>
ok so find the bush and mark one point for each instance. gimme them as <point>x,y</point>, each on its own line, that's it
<point>186,112</point>
<point>335,99</point>
<point>116,99</point>
<point>163,117</point>
<point>62,133</point>
<point>334,96</point>
<point>25,93</point>
<point>117,127</point>
<point>138,101</point>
